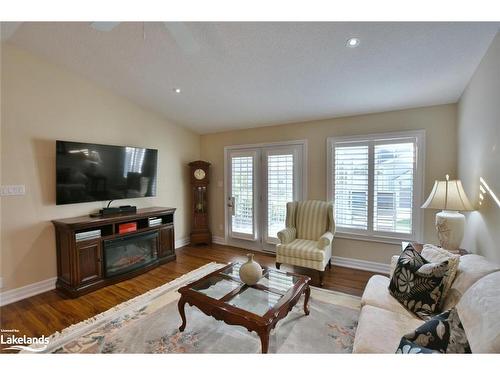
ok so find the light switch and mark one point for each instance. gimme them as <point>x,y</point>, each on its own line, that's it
<point>12,190</point>
<point>220,183</point>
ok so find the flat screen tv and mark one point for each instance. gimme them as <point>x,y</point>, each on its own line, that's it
<point>87,172</point>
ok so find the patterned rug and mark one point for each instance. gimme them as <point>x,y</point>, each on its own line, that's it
<point>149,324</point>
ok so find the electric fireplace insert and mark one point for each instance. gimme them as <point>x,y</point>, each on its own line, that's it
<point>130,252</point>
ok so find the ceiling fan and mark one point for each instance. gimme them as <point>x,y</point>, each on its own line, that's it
<point>178,30</point>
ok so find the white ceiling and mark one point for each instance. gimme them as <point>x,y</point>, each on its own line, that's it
<point>242,75</point>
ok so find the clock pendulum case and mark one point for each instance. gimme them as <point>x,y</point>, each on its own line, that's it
<point>200,232</point>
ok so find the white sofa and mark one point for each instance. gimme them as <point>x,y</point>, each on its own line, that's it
<point>475,291</point>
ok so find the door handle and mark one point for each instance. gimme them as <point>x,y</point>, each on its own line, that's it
<point>231,204</point>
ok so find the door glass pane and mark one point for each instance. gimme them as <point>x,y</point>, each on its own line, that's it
<point>393,188</point>
<point>279,191</point>
<point>242,191</point>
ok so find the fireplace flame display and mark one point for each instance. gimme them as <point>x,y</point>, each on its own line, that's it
<point>124,254</point>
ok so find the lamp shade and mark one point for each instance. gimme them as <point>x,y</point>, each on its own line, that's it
<point>448,195</point>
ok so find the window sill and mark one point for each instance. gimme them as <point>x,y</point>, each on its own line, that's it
<point>379,239</point>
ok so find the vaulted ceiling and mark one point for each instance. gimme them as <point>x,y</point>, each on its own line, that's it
<point>242,75</point>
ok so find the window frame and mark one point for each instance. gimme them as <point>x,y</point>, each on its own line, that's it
<point>415,136</point>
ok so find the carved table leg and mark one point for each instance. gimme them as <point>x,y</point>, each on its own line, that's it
<point>264,340</point>
<point>306,299</point>
<point>180,306</point>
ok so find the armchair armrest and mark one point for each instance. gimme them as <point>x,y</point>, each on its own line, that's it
<point>325,240</point>
<point>287,235</point>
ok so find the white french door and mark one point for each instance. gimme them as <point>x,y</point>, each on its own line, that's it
<point>260,180</point>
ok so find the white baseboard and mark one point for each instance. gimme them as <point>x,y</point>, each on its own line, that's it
<point>18,294</point>
<point>23,292</point>
<point>219,240</point>
<point>360,264</point>
<point>181,242</point>
<point>30,290</point>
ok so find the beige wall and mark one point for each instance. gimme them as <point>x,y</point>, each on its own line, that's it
<point>42,102</point>
<point>439,123</point>
<point>479,152</point>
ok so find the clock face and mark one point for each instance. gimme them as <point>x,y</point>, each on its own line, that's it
<point>199,174</point>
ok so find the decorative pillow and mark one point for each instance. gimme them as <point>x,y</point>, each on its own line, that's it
<point>417,283</point>
<point>394,264</point>
<point>436,254</point>
<point>443,333</point>
<point>408,347</point>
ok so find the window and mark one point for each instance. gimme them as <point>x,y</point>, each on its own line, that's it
<point>242,181</point>
<point>279,191</point>
<point>351,188</point>
<point>375,183</point>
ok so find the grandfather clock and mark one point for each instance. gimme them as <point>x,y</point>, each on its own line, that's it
<point>200,232</point>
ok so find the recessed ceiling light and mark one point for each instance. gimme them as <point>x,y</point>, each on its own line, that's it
<point>353,42</point>
<point>177,90</point>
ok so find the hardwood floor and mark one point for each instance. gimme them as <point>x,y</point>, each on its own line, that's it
<point>48,312</point>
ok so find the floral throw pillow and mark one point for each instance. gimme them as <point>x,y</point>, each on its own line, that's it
<point>443,333</point>
<point>418,284</point>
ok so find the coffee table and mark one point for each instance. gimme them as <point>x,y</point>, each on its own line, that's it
<point>222,295</point>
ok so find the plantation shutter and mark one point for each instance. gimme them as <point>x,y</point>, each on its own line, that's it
<point>351,186</point>
<point>243,193</point>
<point>376,184</point>
<point>393,187</point>
<point>279,191</point>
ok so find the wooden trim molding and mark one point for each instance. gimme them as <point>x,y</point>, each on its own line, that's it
<point>26,291</point>
<point>181,242</point>
<point>219,240</point>
<point>17,294</point>
<point>360,264</point>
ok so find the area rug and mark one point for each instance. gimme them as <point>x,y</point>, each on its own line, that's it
<point>149,324</point>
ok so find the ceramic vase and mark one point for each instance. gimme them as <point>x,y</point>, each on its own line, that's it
<point>251,271</point>
<point>450,226</point>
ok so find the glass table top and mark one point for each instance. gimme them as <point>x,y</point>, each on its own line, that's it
<point>216,287</point>
<point>255,301</point>
<point>258,299</point>
<point>278,281</point>
<point>233,271</point>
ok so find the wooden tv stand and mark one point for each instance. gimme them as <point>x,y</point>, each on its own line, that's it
<point>81,264</point>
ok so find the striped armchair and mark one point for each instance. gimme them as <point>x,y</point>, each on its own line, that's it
<point>307,239</point>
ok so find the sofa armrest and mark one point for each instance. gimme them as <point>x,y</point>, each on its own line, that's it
<point>325,240</point>
<point>287,235</point>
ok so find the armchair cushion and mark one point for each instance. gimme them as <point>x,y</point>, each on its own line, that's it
<point>311,219</point>
<point>287,235</point>
<point>325,240</point>
<point>307,239</point>
<point>302,249</point>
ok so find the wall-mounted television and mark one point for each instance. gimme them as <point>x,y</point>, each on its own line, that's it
<point>87,172</point>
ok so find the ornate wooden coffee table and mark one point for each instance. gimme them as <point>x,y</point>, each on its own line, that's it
<point>222,295</point>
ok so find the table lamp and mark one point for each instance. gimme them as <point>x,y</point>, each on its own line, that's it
<point>449,196</point>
